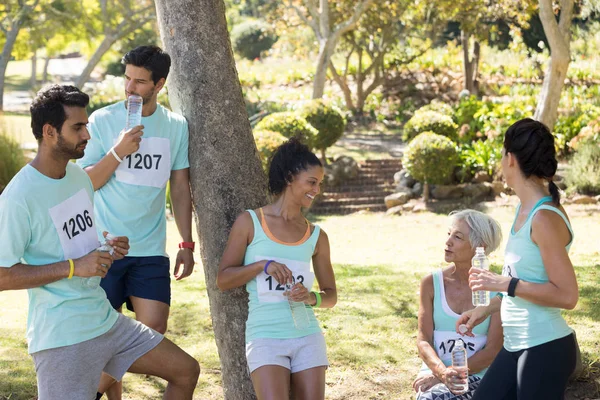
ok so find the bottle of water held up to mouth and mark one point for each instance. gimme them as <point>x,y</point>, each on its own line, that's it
<point>298,310</point>
<point>134,111</point>
<point>94,281</point>
<point>459,364</point>
<point>480,297</point>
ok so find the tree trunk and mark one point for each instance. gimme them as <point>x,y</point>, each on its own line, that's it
<point>425,192</point>
<point>45,73</point>
<point>106,44</point>
<point>559,39</point>
<point>325,51</point>
<point>33,79</point>
<point>226,174</point>
<point>11,38</point>
<point>467,64</point>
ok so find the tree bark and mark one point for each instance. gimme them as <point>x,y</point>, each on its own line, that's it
<point>467,64</point>
<point>226,174</point>
<point>11,38</point>
<point>33,79</point>
<point>559,39</point>
<point>106,44</point>
<point>46,65</point>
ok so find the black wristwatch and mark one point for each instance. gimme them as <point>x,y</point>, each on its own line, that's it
<point>512,286</point>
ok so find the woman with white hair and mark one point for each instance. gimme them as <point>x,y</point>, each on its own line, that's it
<point>445,295</point>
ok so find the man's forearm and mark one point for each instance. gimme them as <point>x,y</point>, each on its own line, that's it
<point>102,171</point>
<point>22,276</point>
<point>182,209</point>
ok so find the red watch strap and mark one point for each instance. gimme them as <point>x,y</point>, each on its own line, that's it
<point>187,245</point>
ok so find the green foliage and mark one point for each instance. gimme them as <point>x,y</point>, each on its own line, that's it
<point>482,155</point>
<point>11,159</point>
<point>590,133</point>
<point>289,124</point>
<point>327,119</point>
<point>499,116</point>
<point>429,121</point>
<point>266,143</point>
<point>465,112</point>
<point>584,172</point>
<point>439,107</point>
<point>568,127</point>
<point>431,158</point>
<point>252,37</point>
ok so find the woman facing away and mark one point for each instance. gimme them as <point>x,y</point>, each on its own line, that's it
<point>267,249</point>
<point>537,279</point>
<point>444,295</point>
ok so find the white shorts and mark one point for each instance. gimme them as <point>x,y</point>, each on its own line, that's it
<point>295,354</point>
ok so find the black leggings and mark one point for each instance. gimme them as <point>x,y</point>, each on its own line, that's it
<point>537,373</point>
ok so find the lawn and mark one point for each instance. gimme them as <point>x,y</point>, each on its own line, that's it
<point>370,333</point>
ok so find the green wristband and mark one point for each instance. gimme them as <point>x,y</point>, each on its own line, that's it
<point>319,299</point>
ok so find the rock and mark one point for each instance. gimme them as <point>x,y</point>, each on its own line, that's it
<point>476,191</point>
<point>403,179</point>
<point>397,199</point>
<point>583,199</point>
<point>443,192</point>
<point>420,207</point>
<point>497,187</point>
<point>397,210</point>
<point>481,177</point>
<point>417,189</point>
<point>597,198</point>
<point>340,170</point>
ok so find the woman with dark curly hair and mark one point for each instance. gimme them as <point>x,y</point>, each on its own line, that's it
<point>271,248</point>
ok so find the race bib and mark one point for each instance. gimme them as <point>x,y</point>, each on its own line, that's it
<point>149,166</point>
<point>445,341</point>
<point>270,291</point>
<point>74,223</point>
<point>509,267</point>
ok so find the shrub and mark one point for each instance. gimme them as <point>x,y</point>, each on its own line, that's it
<point>429,121</point>
<point>438,106</point>
<point>327,120</point>
<point>584,173</point>
<point>252,37</point>
<point>569,126</point>
<point>591,132</point>
<point>266,143</point>
<point>431,158</point>
<point>482,155</point>
<point>289,124</point>
<point>465,113</point>
<point>12,159</point>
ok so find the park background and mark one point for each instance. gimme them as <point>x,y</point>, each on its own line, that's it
<point>460,70</point>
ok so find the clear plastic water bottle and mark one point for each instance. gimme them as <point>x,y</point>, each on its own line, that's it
<point>459,364</point>
<point>298,310</point>
<point>94,281</point>
<point>134,111</point>
<point>480,297</point>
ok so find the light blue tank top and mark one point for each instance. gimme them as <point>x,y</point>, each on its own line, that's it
<point>269,314</point>
<point>527,324</point>
<point>444,327</point>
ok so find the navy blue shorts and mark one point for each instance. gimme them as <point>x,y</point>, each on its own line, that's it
<point>143,277</point>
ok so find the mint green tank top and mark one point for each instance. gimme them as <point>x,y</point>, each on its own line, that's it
<point>444,327</point>
<point>269,314</point>
<point>527,324</point>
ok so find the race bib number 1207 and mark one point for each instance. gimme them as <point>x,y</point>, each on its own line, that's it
<point>149,166</point>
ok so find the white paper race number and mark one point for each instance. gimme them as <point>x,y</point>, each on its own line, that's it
<point>445,341</point>
<point>74,223</point>
<point>270,291</point>
<point>510,262</point>
<point>149,166</point>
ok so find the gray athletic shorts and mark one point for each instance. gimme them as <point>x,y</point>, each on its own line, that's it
<point>294,354</point>
<point>73,372</point>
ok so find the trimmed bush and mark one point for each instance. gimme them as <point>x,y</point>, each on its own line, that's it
<point>266,143</point>
<point>584,172</point>
<point>327,120</point>
<point>252,37</point>
<point>12,159</point>
<point>438,106</point>
<point>289,124</point>
<point>430,121</point>
<point>431,158</point>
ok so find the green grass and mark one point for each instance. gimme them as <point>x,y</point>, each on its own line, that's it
<point>371,332</point>
<point>18,127</point>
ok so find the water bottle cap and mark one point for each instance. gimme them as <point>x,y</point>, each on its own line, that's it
<point>480,250</point>
<point>462,328</point>
<point>459,344</point>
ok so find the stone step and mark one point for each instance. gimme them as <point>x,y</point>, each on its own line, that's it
<point>363,193</point>
<point>359,188</point>
<point>351,201</point>
<point>347,209</point>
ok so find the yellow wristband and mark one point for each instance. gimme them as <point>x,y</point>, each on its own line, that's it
<point>72,268</point>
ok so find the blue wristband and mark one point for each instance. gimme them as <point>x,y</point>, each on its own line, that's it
<point>266,265</point>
